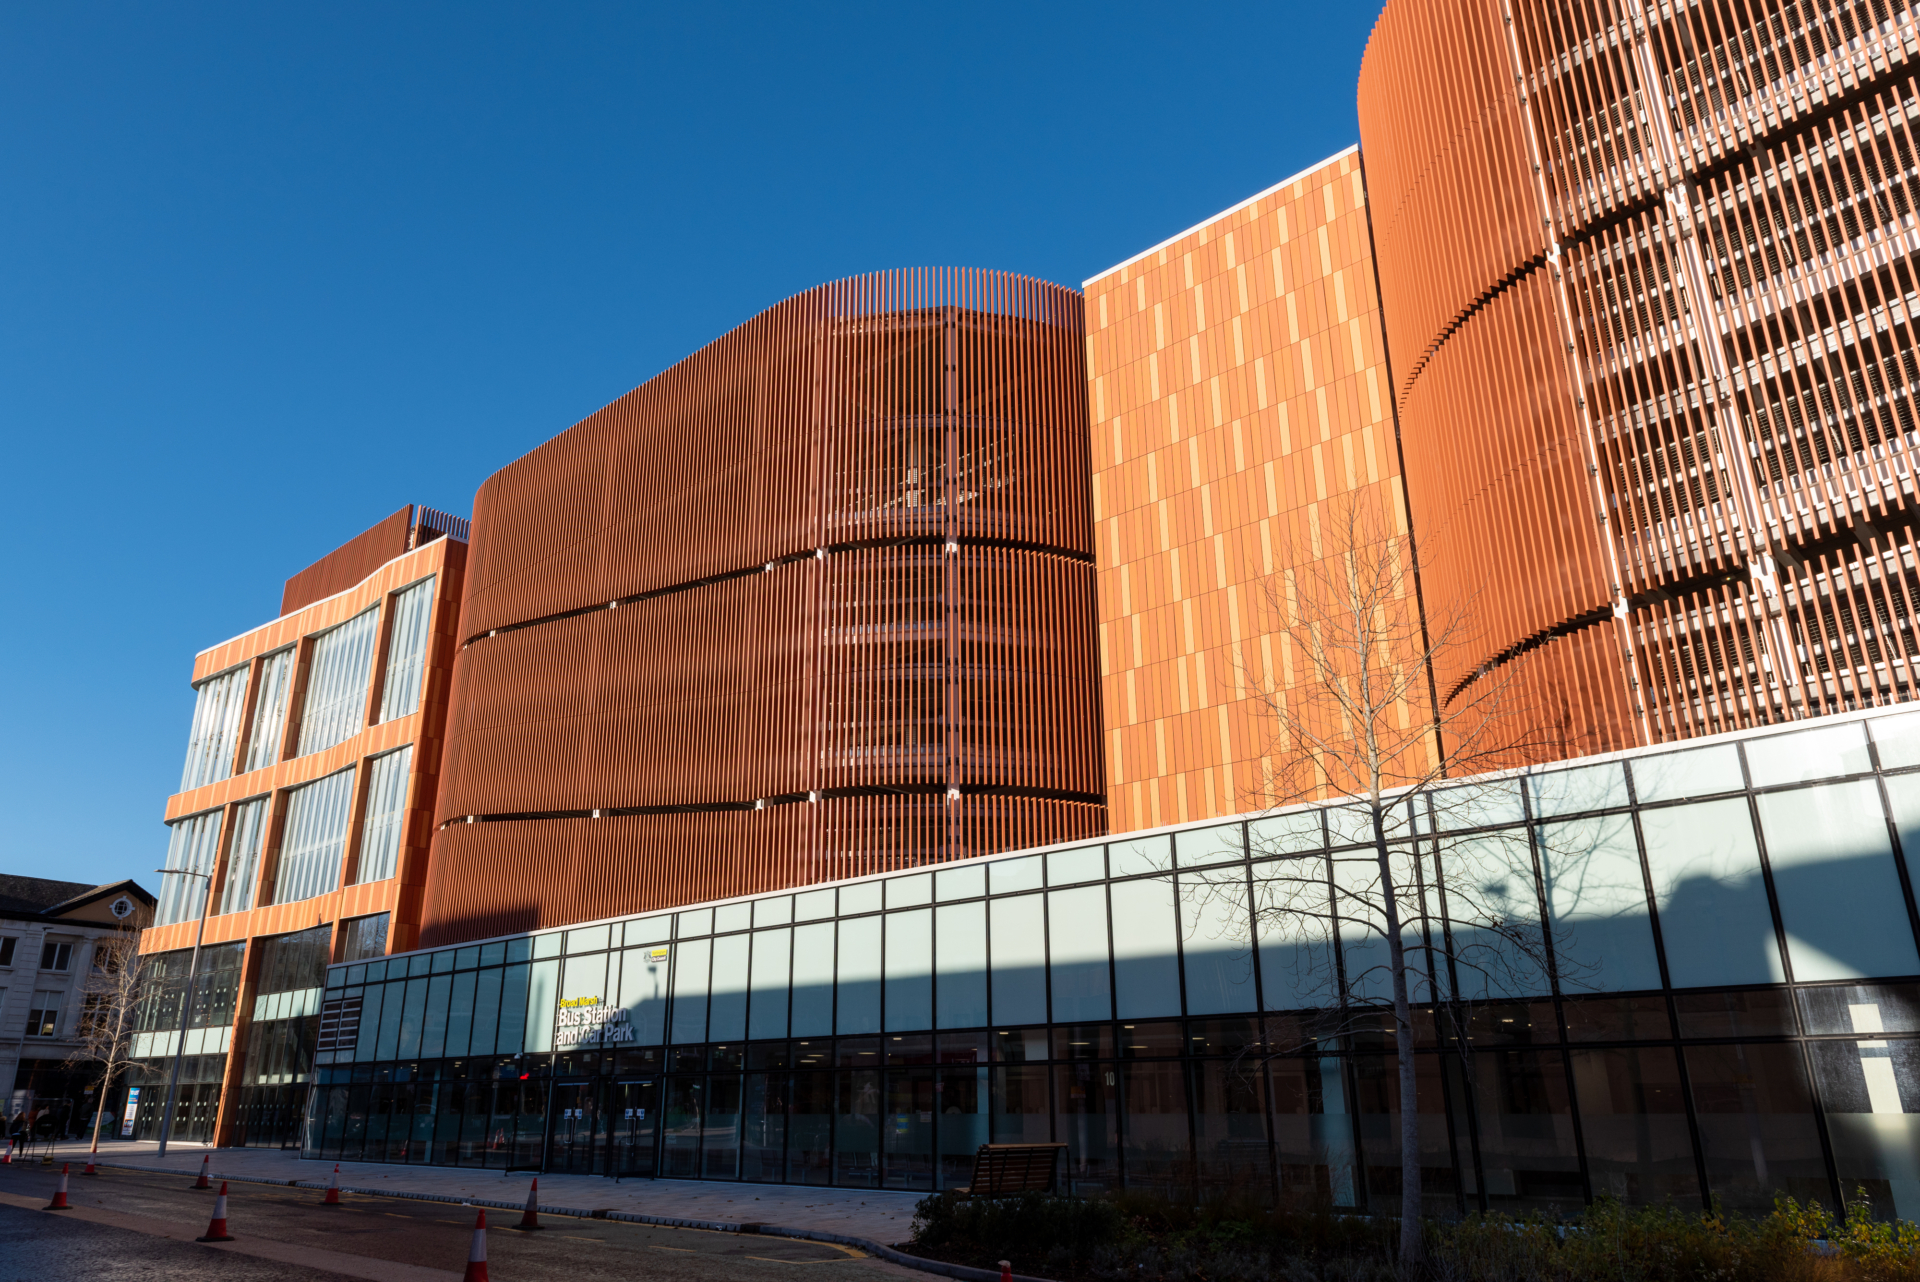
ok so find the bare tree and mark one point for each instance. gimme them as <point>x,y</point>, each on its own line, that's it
<point>1433,901</point>
<point>111,995</point>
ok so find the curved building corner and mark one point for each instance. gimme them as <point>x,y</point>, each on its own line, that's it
<point>1646,280</point>
<point>814,603</point>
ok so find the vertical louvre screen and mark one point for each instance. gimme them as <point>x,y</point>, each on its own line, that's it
<point>336,703</point>
<point>243,856</point>
<point>192,845</point>
<point>216,728</point>
<point>407,651</point>
<point>316,837</point>
<point>270,710</point>
<point>386,815</point>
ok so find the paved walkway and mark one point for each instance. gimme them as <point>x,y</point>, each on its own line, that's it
<point>877,1216</point>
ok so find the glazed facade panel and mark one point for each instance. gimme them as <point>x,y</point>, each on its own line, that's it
<point>1706,1014</point>
<point>281,825</point>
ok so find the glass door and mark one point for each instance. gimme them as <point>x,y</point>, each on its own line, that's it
<point>633,1121</point>
<point>574,1125</point>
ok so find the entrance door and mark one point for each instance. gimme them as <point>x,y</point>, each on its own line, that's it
<point>575,1124</point>
<point>634,1122</point>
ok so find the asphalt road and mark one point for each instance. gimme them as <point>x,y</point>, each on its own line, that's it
<point>130,1225</point>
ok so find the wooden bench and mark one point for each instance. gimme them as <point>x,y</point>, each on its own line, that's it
<point>1003,1170</point>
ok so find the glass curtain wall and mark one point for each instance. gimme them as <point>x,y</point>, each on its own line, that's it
<point>315,838</point>
<point>386,821</point>
<point>1728,1007</point>
<point>407,651</point>
<point>193,844</point>
<point>336,704</point>
<point>243,854</point>
<point>281,1038</point>
<point>270,709</point>
<point>215,736</point>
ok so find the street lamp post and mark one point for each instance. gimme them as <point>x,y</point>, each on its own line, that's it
<point>186,1014</point>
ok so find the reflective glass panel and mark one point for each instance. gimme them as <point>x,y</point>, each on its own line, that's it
<point>1289,834</point>
<point>1290,906</point>
<point>1897,739</point>
<point>1010,876</point>
<point>1633,1114</point>
<point>813,979</point>
<point>691,962</point>
<point>910,971</point>
<point>858,984</point>
<point>1145,953</point>
<point>965,882</point>
<point>1081,990</point>
<point>1527,1153</point>
<point>960,960</point>
<point>1756,1125</point>
<point>727,1012</point>
<point>1142,854</point>
<point>863,897</point>
<point>1698,772</point>
<point>1196,847</point>
<point>1602,928</point>
<point>1018,939</point>
<point>1216,941</point>
<point>1067,867</point>
<point>1840,897</point>
<point>1824,753</point>
<point>1566,792</point>
<point>909,892</point>
<point>1712,901</point>
<point>643,992</point>
<point>1871,1091</point>
<point>772,953</point>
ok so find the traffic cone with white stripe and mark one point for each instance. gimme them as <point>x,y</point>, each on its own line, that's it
<point>477,1254</point>
<point>88,1169</point>
<point>203,1182</point>
<point>333,1188</point>
<point>217,1229</point>
<point>59,1202</point>
<point>8,1159</point>
<point>1006,1271</point>
<point>530,1218</point>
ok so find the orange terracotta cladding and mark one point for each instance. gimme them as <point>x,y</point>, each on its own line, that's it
<point>399,895</point>
<point>1649,280</point>
<point>813,603</point>
<point>1238,383</point>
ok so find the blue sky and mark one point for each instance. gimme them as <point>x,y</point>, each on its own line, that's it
<point>271,271</point>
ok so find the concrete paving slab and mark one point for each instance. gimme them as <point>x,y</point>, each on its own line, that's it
<point>877,1215</point>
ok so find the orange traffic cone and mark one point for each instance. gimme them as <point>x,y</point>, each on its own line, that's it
<point>88,1169</point>
<point>217,1229</point>
<point>1006,1272</point>
<point>59,1202</point>
<point>202,1182</point>
<point>8,1159</point>
<point>530,1218</point>
<point>477,1255</point>
<point>333,1188</point>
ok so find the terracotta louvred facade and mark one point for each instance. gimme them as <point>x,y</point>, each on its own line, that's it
<point>1649,277</point>
<point>813,603</point>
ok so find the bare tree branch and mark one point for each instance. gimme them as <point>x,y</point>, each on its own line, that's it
<point>111,994</point>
